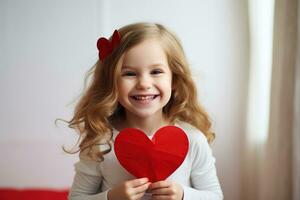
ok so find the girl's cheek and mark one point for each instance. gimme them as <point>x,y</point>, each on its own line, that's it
<point>166,82</point>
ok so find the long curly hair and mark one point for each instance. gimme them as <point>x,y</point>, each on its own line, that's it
<point>98,107</point>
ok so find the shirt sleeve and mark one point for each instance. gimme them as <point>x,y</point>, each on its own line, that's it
<point>204,180</point>
<point>87,182</point>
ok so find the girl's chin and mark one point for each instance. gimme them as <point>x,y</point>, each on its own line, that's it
<point>145,115</point>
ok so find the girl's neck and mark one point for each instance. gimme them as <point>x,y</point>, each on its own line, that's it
<point>148,125</point>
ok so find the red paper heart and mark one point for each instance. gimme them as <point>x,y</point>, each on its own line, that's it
<point>155,159</point>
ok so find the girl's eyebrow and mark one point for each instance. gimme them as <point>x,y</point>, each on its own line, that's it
<point>151,66</point>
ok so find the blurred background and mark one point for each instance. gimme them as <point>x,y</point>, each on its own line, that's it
<point>244,56</point>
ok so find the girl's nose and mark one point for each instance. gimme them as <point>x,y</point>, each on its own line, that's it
<point>143,83</point>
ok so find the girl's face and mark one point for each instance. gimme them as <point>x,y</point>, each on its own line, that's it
<point>145,82</point>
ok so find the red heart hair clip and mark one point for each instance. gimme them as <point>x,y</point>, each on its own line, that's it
<point>106,47</point>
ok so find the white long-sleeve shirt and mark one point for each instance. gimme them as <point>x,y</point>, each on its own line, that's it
<point>197,174</point>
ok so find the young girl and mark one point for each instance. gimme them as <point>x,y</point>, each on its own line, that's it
<point>142,80</point>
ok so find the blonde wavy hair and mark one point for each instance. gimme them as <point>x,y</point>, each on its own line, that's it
<point>98,107</point>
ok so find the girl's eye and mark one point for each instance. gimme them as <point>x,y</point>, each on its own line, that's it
<point>156,71</point>
<point>128,74</point>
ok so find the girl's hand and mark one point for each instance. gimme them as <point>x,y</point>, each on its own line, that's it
<point>129,190</point>
<point>166,190</point>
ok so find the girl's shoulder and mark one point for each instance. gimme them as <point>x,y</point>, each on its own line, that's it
<point>199,148</point>
<point>194,135</point>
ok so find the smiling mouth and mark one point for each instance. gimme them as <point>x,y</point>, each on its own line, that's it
<point>144,97</point>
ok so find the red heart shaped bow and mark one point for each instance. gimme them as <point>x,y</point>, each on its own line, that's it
<point>106,47</point>
<point>155,159</point>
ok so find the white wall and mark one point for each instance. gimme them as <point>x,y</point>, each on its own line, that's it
<point>47,46</point>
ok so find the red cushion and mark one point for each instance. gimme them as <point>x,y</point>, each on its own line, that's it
<point>32,194</point>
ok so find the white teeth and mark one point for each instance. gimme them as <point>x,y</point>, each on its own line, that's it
<point>144,97</point>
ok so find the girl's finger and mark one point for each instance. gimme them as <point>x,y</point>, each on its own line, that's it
<point>137,182</point>
<point>142,188</point>
<point>160,184</point>
<point>161,191</point>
